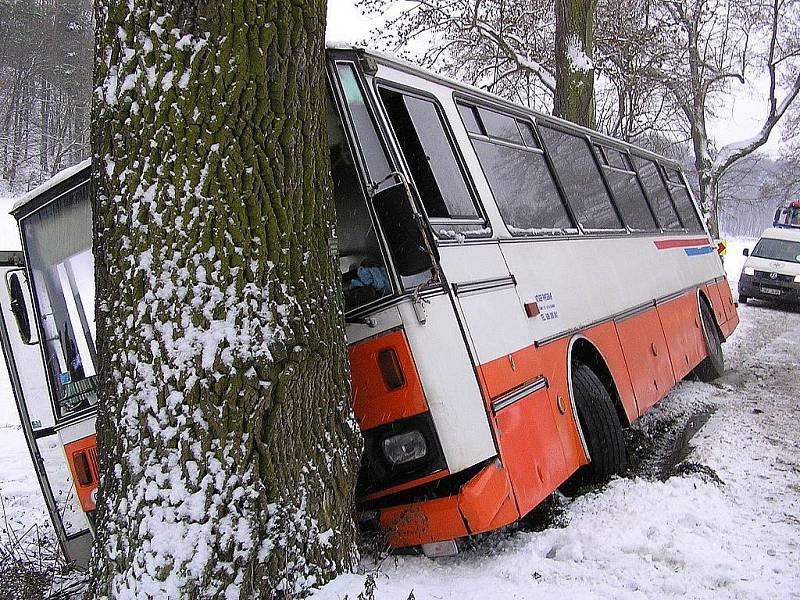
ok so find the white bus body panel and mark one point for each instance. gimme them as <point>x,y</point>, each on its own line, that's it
<point>29,383</point>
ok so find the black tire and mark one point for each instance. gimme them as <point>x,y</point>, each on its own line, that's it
<point>743,299</point>
<point>601,429</point>
<point>713,366</point>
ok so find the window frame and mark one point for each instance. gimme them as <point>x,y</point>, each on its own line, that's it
<point>593,152</point>
<point>481,219</point>
<point>354,146</point>
<point>602,147</point>
<point>461,98</point>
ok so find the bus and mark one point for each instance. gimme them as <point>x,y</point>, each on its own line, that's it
<point>517,290</point>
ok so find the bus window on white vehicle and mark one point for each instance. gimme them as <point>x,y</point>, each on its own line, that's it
<point>627,191</point>
<point>683,202</point>
<point>362,266</point>
<point>581,180</point>
<point>430,156</point>
<point>59,239</point>
<point>657,193</point>
<point>517,173</point>
<point>392,206</point>
<point>371,146</point>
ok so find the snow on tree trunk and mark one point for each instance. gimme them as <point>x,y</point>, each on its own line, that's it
<point>574,33</point>
<point>227,442</point>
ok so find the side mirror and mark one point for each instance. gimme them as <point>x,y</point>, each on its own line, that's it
<point>17,290</point>
<point>404,235</point>
<point>746,252</point>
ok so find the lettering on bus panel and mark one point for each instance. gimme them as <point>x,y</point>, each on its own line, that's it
<point>548,310</point>
<point>580,178</point>
<point>626,190</point>
<point>657,193</point>
<point>517,172</point>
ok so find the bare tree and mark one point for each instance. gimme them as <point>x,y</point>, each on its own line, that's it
<point>513,47</point>
<point>504,46</point>
<point>712,45</point>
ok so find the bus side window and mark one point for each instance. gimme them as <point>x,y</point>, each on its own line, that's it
<point>361,263</point>
<point>380,181</point>
<point>429,153</point>
<point>517,173</point>
<point>626,191</point>
<point>683,202</point>
<point>579,176</point>
<point>657,193</point>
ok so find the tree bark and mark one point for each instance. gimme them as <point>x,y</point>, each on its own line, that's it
<point>574,34</point>
<point>228,449</point>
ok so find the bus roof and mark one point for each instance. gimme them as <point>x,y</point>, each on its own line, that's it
<point>21,205</point>
<point>402,64</point>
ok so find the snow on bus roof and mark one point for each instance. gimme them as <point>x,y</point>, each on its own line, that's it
<point>51,183</point>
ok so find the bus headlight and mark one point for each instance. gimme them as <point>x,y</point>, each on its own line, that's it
<point>749,271</point>
<point>93,496</point>
<point>405,447</point>
<point>797,278</point>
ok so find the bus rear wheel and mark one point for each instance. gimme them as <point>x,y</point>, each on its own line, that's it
<point>601,429</point>
<point>713,366</point>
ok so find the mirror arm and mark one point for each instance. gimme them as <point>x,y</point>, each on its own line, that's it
<point>418,218</point>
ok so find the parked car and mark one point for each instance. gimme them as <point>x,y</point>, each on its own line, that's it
<point>772,270</point>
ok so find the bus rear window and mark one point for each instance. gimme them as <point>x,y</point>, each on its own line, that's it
<point>683,202</point>
<point>59,243</point>
<point>581,179</point>
<point>627,192</point>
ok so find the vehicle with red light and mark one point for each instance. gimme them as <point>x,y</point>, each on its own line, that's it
<point>787,216</point>
<point>517,290</point>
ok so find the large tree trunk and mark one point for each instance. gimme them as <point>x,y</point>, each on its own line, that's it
<point>228,447</point>
<point>574,95</point>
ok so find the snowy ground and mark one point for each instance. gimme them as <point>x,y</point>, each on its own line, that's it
<point>717,517</point>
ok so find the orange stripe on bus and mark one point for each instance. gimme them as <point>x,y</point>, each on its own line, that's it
<point>405,486</point>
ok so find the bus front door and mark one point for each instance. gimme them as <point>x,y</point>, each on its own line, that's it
<point>29,382</point>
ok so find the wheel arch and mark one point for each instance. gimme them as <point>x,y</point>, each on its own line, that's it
<point>702,296</point>
<point>584,350</point>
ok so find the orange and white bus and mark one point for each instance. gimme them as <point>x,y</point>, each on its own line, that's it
<point>517,290</point>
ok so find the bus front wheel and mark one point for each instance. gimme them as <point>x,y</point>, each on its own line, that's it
<point>601,429</point>
<point>713,366</point>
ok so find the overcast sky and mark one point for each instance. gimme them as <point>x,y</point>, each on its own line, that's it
<point>740,120</point>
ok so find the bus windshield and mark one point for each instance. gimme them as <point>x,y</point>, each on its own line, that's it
<point>784,250</point>
<point>59,243</point>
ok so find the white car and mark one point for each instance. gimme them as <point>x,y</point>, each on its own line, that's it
<point>772,270</point>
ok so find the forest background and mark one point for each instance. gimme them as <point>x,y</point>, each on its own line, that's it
<point>46,57</point>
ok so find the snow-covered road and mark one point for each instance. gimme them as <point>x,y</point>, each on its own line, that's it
<point>717,518</point>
